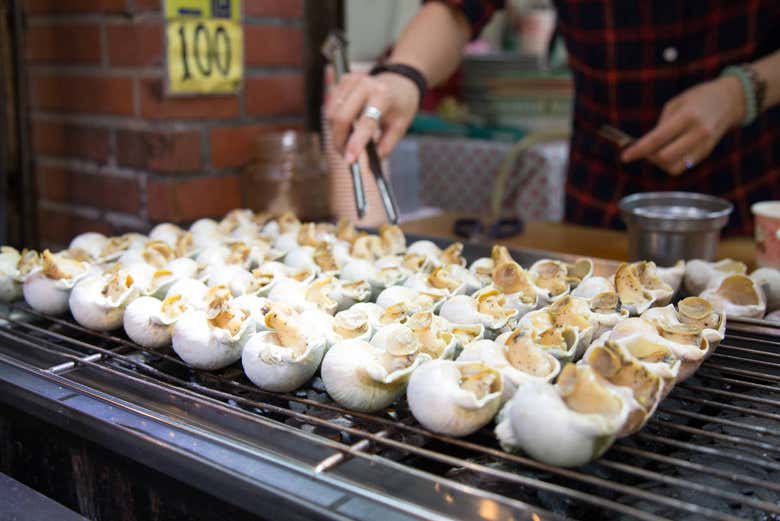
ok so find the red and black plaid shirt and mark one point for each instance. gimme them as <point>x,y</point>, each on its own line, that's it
<point>628,59</point>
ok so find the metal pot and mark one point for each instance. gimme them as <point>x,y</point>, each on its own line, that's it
<point>668,226</point>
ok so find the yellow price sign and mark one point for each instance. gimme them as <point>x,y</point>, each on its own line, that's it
<point>205,54</point>
<point>230,9</point>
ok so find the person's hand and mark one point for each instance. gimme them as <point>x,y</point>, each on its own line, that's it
<point>690,125</point>
<point>396,96</point>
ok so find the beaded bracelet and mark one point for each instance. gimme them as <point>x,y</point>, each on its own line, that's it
<point>753,87</point>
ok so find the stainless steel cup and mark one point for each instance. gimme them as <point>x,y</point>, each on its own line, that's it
<point>668,226</point>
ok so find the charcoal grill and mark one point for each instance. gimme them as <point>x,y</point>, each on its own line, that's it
<point>710,452</point>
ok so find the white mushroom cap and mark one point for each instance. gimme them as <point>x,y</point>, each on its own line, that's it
<point>47,290</point>
<point>395,295</point>
<point>274,366</point>
<point>738,296</point>
<point>673,275</point>
<point>98,302</point>
<point>192,291</point>
<point>530,362</point>
<point>769,280</point>
<point>257,307</point>
<point>147,323</point>
<point>425,248</point>
<point>593,286</point>
<point>10,285</point>
<point>166,232</point>
<point>540,422</point>
<point>205,233</point>
<point>234,277</point>
<point>454,398</point>
<point>90,242</point>
<point>362,377</point>
<point>45,295</point>
<point>205,347</point>
<point>286,241</point>
<point>701,275</point>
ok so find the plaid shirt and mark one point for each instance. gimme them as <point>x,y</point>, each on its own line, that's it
<point>628,59</point>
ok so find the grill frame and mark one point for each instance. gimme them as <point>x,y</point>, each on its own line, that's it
<point>353,470</point>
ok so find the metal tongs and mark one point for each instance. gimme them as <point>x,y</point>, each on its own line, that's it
<point>335,49</point>
<point>615,136</point>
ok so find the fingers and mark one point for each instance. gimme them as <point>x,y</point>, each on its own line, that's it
<point>689,160</point>
<point>667,129</point>
<point>366,127</point>
<point>350,130</point>
<point>390,138</point>
<point>340,92</point>
<point>345,114</point>
<point>673,156</point>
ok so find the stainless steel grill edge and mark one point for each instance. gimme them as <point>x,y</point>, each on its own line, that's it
<point>710,452</point>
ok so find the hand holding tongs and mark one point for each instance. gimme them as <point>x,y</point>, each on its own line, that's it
<point>335,49</point>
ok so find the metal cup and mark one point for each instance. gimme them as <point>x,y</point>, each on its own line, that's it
<point>668,226</point>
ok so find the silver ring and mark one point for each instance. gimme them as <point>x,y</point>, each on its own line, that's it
<point>372,112</point>
<point>689,163</point>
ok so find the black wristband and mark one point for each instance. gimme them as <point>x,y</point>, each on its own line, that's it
<point>407,71</point>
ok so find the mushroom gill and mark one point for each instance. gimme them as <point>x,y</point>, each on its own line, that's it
<point>740,290</point>
<point>219,312</point>
<point>479,379</point>
<point>281,319</point>
<point>580,389</point>
<point>158,254</point>
<point>522,354</point>
<point>57,267</point>
<point>550,275</point>
<point>452,254</point>
<point>698,311</point>
<point>510,278</point>
<point>392,238</point>
<point>609,362</point>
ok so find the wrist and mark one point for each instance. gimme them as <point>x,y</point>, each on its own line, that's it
<point>409,73</point>
<point>735,99</point>
<point>402,85</point>
<point>753,89</point>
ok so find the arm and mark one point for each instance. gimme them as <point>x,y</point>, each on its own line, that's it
<point>769,69</point>
<point>692,123</point>
<point>433,43</point>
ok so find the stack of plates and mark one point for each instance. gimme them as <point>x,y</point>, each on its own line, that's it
<point>511,90</point>
<point>342,199</point>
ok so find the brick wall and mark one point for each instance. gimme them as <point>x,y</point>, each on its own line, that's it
<point>111,152</point>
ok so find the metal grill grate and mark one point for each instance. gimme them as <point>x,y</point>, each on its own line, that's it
<point>711,450</point>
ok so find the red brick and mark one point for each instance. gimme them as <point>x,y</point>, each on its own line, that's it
<point>74,6</point>
<point>273,45</point>
<point>154,104</point>
<point>89,93</point>
<point>159,151</point>
<point>52,184</point>
<point>135,44</point>
<point>64,140</point>
<point>278,8</point>
<point>59,227</point>
<point>61,43</point>
<point>99,191</point>
<point>234,146</point>
<point>274,95</point>
<point>143,6</point>
<point>188,199</point>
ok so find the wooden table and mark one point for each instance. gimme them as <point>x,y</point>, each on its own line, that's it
<point>571,238</point>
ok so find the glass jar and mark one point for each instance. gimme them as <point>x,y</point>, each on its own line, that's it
<point>288,173</point>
